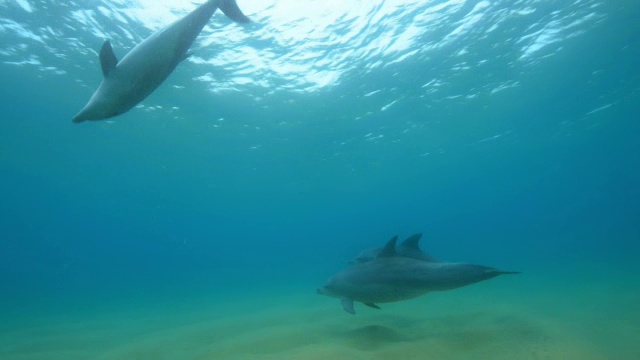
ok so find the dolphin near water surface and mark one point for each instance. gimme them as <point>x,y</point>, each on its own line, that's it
<point>391,277</point>
<point>129,81</point>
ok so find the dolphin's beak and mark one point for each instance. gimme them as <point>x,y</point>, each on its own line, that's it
<point>83,115</point>
<point>78,118</point>
<point>509,272</point>
<point>496,272</point>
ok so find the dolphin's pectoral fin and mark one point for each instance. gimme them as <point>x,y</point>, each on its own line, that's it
<point>347,305</point>
<point>372,305</point>
<point>108,59</point>
<point>231,9</point>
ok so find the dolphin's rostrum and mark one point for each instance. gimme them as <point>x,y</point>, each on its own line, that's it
<point>129,81</point>
<point>393,277</point>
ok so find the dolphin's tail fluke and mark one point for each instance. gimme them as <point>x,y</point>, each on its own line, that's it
<point>233,12</point>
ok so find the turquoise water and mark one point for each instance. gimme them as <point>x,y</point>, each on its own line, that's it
<point>199,224</point>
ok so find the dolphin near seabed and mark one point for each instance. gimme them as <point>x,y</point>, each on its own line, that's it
<point>391,277</point>
<point>129,81</point>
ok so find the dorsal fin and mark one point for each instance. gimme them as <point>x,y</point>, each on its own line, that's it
<point>389,250</point>
<point>412,242</point>
<point>108,59</point>
<point>411,248</point>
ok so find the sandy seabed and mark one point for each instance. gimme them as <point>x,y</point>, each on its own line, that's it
<point>509,318</point>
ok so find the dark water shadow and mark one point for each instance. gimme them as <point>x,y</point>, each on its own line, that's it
<point>372,337</point>
<point>459,333</point>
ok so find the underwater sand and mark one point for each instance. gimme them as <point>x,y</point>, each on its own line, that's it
<point>525,317</point>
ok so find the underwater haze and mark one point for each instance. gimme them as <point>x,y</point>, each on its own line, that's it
<point>199,224</point>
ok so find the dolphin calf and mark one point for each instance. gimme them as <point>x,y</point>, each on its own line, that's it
<point>410,248</point>
<point>129,81</point>
<point>391,277</point>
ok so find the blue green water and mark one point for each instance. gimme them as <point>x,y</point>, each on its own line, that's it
<point>505,131</point>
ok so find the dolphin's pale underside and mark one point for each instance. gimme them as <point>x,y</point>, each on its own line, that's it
<point>129,81</point>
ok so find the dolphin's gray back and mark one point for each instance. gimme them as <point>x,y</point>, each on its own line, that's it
<point>366,256</point>
<point>414,254</point>
<point>409,249</point>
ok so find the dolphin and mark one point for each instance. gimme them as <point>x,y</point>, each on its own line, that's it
<point>391,277</point>
<point>129,81</point>
<point>410,248</point>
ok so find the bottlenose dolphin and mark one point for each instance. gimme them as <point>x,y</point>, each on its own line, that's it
<point>130,80</point>
<point>391,277</point>
<point>410,248</point>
